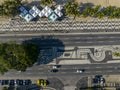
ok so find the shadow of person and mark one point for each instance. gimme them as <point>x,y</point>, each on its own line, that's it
<point>50,49</point>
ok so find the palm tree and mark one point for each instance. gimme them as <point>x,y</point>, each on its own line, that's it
<point>72,9</point>
<point>108,10</point>
<point>47,2</point>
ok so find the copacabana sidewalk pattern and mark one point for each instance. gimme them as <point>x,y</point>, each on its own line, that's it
<point>45,26</point>
<point>51,14</point>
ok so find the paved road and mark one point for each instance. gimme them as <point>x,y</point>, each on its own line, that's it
<point>65,70</point>
<point>68,40</point>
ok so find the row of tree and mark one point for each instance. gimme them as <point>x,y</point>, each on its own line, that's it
<point>10,7</point>
<point>17,56</point>
<point>100,12</point>
<point>73,8</point>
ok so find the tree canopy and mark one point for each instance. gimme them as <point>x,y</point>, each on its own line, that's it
<point>47,2</point>
<point>10,7</point>
<point>72,9</point>
<point>17,56</point>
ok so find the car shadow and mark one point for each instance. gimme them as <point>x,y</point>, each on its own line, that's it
<point>50,49</point>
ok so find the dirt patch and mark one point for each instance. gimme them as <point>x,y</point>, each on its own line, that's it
<point>101,2</point>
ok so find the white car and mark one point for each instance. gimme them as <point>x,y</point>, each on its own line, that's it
<point>80,70</point>
<point>54,67</point>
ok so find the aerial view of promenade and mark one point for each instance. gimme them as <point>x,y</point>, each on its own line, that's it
<point>59,44</point>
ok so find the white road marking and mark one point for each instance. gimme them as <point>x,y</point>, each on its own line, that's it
<point>29,73</point>
<point>87,72</point>
<point>98,67</point>
<point>87,67</point>
<point>110,41</point>
<point>109,66</point>
<point>40,68</point>
<point>100,37</point>
<point>89,42</point>
<point>98,71</point>
<point>109,71</point>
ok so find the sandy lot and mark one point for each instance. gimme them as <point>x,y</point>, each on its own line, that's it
<point>102,2</point>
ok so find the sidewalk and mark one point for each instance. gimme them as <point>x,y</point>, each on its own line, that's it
<point>64,26</point>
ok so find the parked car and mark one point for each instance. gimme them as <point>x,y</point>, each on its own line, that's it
<point>42,82</point>
<point>12,82</point>
<point>19,82</point>
<point>4,82</point>
<point>27,82</point>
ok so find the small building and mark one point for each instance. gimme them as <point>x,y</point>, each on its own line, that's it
<point>48,11</point>
<point>53,16</point>
<point>28,17</point>
<point>60,7</point>
<point>36,9</point>
<point>33,13</point>
<point>22,8</point>
<point>23,13</point>
<point>58,12</point>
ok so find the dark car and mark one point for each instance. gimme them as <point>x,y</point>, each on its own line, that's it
<point>4,82</point>
<point>19,82</point>
<point>54,70</point>
<point>12,82</point>
<point>95,80</point>
<point>27,82</point>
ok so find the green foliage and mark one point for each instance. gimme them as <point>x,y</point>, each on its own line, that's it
<point>115,13</point>
<point>47,2</point>
<point>17,56</point>
<point>116,54</point>
<point>9,7</point>
<point>108,10</point>
<point>4,88</point>
<point>72,9</point>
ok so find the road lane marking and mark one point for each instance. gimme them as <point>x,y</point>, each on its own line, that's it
<point>87,67</point>
<point>98,67</point>
<point>40,68</point>
<point>87,72</point>
<point>109,71</point>
<point>109,66</point>
<point>98,71</point>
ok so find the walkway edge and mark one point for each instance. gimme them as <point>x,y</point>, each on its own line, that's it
<point>37,34</point>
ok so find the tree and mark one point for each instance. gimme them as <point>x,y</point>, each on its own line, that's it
<point>116,54</point>
<point>72,9</point>
<point>108,10</point>
<point>88,11</point>
<point>17,56</point>
<point>115,13</point>
<point>4,88</point>
<point>47,2</point>
<point>10,7</point>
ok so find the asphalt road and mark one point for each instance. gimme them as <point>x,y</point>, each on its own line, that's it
<point>65,70</point>
<point>68,40</point>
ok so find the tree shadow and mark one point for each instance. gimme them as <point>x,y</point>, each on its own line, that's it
<point>30,4</point>
<point>61,2</point>
<point>50,49</point>
<point>84,5</point>
<point>82,83</point>
<point>55,83</point>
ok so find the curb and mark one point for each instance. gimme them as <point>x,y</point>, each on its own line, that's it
<point>37,34</point>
